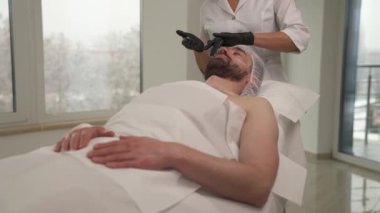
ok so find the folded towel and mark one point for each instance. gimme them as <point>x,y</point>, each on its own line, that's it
<point>289,100</point>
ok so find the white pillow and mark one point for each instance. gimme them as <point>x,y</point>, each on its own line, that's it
<point>289,100</point>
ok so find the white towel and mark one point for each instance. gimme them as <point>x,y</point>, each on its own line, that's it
<point>289,100</point>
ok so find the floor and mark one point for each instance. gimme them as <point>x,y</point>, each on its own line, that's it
<point>366,144</point>
<point>370,149</point>
<point>337,187</point>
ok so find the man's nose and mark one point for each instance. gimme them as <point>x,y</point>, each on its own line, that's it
<point>222,50</point>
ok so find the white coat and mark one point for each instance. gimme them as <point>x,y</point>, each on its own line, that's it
<point>257,16</point>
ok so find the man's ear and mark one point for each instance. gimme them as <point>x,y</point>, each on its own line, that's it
<point>249,78</point>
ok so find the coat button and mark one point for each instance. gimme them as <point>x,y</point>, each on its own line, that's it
<point>233,17</point>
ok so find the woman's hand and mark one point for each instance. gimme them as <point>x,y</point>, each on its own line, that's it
<point>232,39</point>
<point>79,138</point>
<point>191,41</point>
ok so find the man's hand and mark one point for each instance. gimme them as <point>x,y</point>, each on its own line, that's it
<point>133,152</point>
<point>190,41</point>
<point>80,138</point>
<point>232,39</point>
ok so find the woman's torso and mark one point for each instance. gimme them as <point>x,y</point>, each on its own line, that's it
<point>256,16</point>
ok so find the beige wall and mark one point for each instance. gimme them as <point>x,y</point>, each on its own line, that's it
<point>21,143</point>
<point>164,58</point>
<point>319,68</point>
<point>305,69</point>
<point>193,72</point>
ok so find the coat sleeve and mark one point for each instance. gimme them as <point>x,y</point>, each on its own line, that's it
<point>289,21</point>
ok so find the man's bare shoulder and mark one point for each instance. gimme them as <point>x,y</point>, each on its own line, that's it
<point>249,103</point>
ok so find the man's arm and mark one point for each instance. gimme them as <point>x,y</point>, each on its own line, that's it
<point>251,178</point>
<point>202,59</point>
<point>248,180</point>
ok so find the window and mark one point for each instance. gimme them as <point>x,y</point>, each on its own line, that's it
<point>91,54</point>
<point>360,129</point>
<point>80,59</point>
<point>6,83</point>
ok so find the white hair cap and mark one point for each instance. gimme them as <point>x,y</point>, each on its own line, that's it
<point>257,72</point>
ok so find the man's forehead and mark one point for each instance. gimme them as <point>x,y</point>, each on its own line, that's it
<point>245,52</point>
<point>240,50</point>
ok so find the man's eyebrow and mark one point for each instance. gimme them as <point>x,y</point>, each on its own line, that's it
<point>240,50</point>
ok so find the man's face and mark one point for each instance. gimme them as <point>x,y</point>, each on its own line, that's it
<point>230,63</point>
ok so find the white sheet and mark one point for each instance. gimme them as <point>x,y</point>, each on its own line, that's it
<point>167,113</point>
<point>41,181</point>
<point>44,182</point>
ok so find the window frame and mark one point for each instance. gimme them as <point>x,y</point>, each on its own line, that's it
<point>348,89</point>
<point>28,69</point>
<point>20,69</point>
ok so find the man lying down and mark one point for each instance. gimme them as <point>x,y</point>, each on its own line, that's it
<point>162,147</point>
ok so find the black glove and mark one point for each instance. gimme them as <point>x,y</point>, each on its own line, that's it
<point>190,41</point>
<point>232,39</point>
<point>215,44</point>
